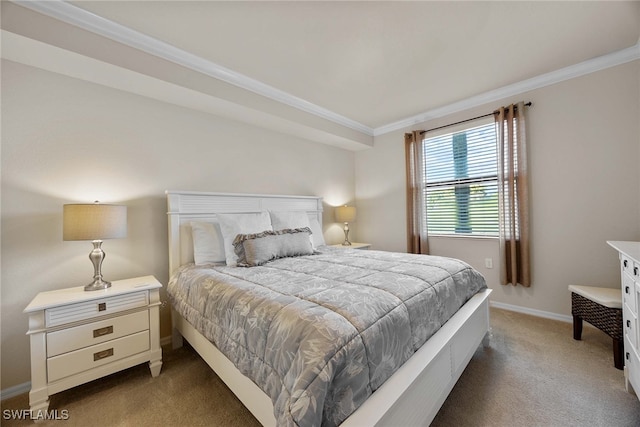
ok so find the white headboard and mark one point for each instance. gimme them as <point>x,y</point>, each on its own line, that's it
<point>186,206</point>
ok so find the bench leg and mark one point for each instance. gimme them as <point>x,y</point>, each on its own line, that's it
<point>618,353</point>
<point>577,327</point>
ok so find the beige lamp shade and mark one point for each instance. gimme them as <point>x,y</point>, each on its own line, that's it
<point>345,213</point>
<point>94,222</point>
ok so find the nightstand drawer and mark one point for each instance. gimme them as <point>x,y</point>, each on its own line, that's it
<point>86,310</point>
<point>95,333</point>
<point>100,354</point>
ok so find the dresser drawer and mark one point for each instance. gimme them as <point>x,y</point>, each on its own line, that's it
<point>67,364</point>
<point>631,327</point>
<point>95,333</point>
<point>629,293</point>
<point>86,310</point>
<point>627,264</point>
<point>632,363</point>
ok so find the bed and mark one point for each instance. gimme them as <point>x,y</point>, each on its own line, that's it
<point>410,394</point>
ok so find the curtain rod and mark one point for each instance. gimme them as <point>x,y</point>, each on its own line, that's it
<point>422,132</point>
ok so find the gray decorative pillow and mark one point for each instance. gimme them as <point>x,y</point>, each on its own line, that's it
<point>257,249</point>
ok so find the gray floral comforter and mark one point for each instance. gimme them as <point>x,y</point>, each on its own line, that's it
<point>320,333</point>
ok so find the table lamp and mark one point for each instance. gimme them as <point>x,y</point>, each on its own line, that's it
<point>346,214</point>
<point>94,222</point>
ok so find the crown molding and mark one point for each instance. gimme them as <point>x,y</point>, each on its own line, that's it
<point>586,67</point>
<point>30,52</point>
<point>74,15</point>
<point>79,17</point>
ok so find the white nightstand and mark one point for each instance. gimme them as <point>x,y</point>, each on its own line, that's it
<point>78,336</point>
<point>353,246</point>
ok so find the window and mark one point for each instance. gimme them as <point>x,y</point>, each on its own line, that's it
<point>461,182</point>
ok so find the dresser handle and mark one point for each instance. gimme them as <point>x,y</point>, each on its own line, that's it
<point>102,306</point>
<point>628,323</point>
<point>635,271</point>
<point>627,356</point>
<point>625,263</point>
<point>109,352</point>
<point>102,331</point>
<point>626,289</point>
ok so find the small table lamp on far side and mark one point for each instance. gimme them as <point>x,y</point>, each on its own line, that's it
<point>94,222</point>
<point>346,214</point>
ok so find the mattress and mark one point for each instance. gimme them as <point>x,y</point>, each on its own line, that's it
<point>320,333</point>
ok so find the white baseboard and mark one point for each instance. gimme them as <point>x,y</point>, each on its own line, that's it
<point>532,311</point>
<point>16,390</point>
<point>19,389</point>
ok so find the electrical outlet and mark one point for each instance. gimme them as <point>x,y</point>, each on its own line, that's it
<point>488,262</point>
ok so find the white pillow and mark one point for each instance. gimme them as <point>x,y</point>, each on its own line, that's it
<point>283,220</point>
<point>233,224</point>
<point>208,245</point>
<point>317,236</point>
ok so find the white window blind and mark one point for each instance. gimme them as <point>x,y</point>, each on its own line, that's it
<point>461,182</point>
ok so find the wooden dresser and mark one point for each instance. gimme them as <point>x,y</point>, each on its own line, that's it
<point>630,279</point>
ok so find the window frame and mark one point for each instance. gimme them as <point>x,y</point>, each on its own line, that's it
<point>456,182</point>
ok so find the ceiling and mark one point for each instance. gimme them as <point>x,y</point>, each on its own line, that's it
<point>376,63</point>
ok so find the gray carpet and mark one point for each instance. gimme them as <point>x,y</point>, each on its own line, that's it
<point>533,374</point>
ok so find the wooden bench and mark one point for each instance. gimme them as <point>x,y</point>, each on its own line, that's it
<point>601,307</point>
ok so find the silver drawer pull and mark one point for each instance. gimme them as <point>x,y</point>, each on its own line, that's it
<point>102,306</point>
<point>102,331</point>
<point>102,354</point>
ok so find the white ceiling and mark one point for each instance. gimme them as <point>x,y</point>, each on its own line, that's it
<point>378,63</point>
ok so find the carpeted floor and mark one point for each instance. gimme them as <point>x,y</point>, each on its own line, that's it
<point>533,374</point>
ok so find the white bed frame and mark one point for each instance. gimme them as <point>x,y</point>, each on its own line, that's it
<point>412,396</point>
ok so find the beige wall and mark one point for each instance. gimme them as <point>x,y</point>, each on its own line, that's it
<point>64,141</point>
<point>584,149</point>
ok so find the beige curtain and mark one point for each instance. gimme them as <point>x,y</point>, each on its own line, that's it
<point>417,242</point>
<point>513,185</point>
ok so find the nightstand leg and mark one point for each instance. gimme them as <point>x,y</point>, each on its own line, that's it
<point>155,358</point>
<point>39,393</point>
<point>38,401</point>
<point>154,367</point>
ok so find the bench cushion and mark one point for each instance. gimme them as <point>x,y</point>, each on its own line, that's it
<point>607,297</point>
